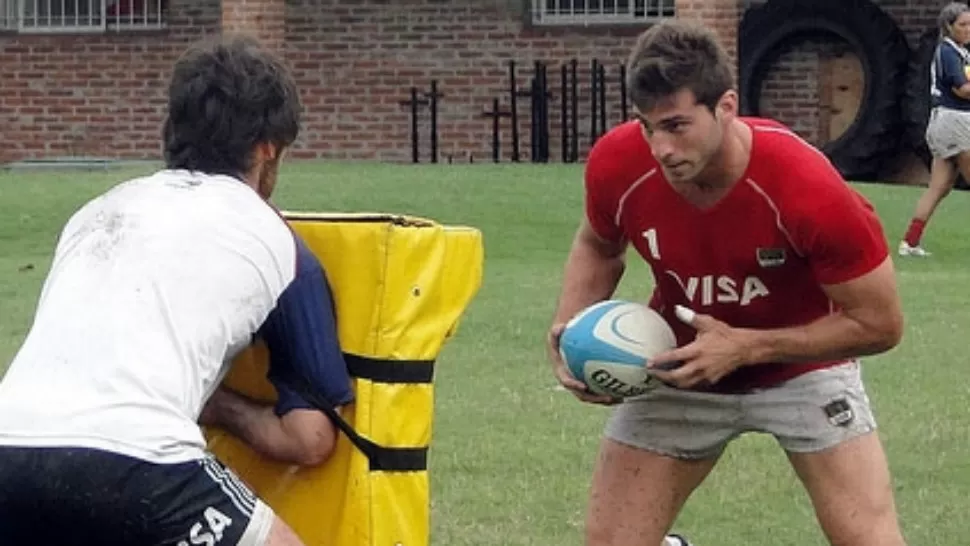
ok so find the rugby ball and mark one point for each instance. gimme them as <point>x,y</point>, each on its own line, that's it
<point>608,344</point>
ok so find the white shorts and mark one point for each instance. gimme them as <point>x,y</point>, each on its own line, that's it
<point>948,132</point>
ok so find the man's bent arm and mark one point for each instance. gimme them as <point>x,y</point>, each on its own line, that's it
<point>302,338</point>
<point>868,321</point>
<point>593,270</point>
<point>279,438</point>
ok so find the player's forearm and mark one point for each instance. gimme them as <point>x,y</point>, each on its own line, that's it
<point>590,275</point>
<point>834,337</point>
<point>254,423</point>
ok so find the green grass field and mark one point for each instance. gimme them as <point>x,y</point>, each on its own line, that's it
<point>511,456</point>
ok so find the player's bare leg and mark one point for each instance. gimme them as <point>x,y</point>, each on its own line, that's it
<point>637,494</point>
<point>851,489</point>
<point>943,174</point>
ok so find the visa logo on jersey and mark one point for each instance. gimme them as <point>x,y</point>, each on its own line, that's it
<point>710,289</point>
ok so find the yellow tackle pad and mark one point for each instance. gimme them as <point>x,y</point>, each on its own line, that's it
<point>400,285</point>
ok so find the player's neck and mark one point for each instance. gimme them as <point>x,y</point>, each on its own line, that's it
<point>251,179</point>
<point>730,163</point>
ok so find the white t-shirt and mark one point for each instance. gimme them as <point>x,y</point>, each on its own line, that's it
<point>154,287</point>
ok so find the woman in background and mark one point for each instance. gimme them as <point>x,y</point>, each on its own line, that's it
<point>948,131</point>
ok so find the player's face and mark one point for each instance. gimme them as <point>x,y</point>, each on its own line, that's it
<point>683,134</point>
<point>961,28</point>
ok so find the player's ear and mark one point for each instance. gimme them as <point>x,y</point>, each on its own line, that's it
<point>265,151</point>
<point>727,105</point>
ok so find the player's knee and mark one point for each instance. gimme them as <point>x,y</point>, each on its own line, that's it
<point>600,530</point>
<point>869,524</point>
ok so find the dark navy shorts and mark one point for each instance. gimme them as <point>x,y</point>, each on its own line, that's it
<point>76,496</point>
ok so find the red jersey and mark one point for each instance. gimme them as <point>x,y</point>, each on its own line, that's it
<point>756,259</point>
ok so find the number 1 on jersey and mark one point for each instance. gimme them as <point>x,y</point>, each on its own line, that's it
<point>651,236</point>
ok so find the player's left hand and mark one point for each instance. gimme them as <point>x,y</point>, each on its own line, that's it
<point>717,351</point>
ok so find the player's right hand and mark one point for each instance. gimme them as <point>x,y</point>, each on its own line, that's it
<point>566,379</point>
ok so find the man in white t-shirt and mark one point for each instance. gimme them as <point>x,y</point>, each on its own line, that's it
<point>154,287</point>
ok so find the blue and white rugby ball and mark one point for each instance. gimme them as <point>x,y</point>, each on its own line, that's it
<point>607,346</point>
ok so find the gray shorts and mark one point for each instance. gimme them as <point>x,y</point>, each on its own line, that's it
<point>948,132</point>
<point>809,413</point>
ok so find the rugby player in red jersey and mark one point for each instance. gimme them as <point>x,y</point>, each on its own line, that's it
<point>776,277</point>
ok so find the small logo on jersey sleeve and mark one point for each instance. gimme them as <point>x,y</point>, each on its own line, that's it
<point>771,257</point>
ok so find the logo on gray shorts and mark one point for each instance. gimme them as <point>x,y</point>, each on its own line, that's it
<point>839,412</point>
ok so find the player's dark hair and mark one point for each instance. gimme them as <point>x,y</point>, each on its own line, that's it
<point>949,15</point>
<point>674,55</point>
<point>225,96</point>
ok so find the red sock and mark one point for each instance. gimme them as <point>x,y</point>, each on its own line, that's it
<point>915,232</point>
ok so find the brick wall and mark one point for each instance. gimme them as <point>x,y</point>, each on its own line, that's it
<point>263,19</point>
<point>92,95</point>
<point>789,93</point>
<point>355,69</point>
<point>355,62</point>
<point>89,95</point>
